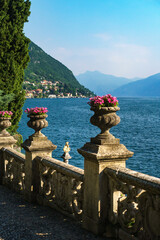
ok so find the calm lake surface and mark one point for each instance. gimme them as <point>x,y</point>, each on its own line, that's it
<point>69,120</point>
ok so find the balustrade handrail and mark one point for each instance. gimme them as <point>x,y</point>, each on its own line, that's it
<point>15,154</point>
<point>63,168</point>
<point>137,179</point>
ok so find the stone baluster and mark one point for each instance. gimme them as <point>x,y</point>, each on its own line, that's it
<point>6,140</point>
<point>36,145</point>
<point>102,151</point>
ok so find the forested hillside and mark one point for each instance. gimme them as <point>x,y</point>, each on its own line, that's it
<point>44,67</point>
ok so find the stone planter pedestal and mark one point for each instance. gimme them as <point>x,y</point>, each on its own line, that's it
<point>6,140</point>
<point>102,151</point>
<point>36,145</point>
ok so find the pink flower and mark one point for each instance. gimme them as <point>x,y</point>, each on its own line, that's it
<point>5,114</point>
<point>104,101</point>
<point>36,110</point>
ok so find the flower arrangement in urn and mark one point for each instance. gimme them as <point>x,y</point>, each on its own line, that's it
<point>37,120</point>
<point>6,114</point>
<point>104,101</point>
<point>5,123</point>
<point>104,117</point>
<point>36,111</point>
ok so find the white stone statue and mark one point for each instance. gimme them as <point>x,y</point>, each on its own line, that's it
<point>66,156</point>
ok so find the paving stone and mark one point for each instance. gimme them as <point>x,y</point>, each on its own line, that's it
<point>21,220</point>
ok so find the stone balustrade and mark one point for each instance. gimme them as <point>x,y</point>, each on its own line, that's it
<point>106,197</point>
<point>12,164</point>
<point>60,186</point>
<point>134,204</point>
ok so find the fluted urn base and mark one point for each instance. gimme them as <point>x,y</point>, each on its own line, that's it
<point>37,122</point>
<point>105,118</point>
<point>102,140</point>
<point>105,147</point>
<point>4,124</point>
<point>38,141</point>
<point>6,140</point>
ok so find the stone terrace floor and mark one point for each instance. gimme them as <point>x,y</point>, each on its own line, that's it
<point>20,220</point>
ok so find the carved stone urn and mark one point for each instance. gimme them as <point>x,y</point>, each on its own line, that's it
<point>37,122</point>
<point>4,124</point>
<point>105,118</point>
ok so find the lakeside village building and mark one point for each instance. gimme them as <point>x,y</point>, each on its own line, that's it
<point>47,87</point>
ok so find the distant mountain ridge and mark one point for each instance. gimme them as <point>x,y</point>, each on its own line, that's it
<point>43,66</point>
<point>101,83</point>
<point>149,86</point>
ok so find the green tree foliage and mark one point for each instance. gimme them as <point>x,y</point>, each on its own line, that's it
<point>13,53</point>
<point>5,99</point>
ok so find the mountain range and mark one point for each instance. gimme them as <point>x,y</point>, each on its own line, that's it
<point>149,86</point>
<point>101,83</point>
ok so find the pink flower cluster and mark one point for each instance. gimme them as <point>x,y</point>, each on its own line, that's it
<point>36,110</point>
<point>104,101</point>
<point>6,113</point>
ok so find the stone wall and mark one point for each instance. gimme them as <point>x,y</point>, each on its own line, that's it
<point>133,204</point>
<point>55,184</point>
<point>60,186</point>
<point>13,175</point>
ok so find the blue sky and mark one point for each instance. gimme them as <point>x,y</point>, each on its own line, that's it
<point>118,37</point>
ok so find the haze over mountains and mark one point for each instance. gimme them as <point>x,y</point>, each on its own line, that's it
<point>101,83</point>
<point>147,87</point>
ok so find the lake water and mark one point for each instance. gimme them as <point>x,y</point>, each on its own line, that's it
<point>139,129</point>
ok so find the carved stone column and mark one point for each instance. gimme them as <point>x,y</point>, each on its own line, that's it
<point>6,140</point>
<point>36,145</point>
<point>102,151</point>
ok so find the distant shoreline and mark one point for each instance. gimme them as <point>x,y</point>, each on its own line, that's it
<point>55,97</point>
